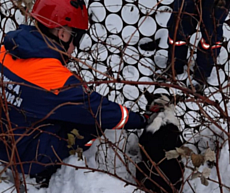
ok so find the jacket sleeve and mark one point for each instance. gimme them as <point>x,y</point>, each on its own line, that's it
<point>90,109</point>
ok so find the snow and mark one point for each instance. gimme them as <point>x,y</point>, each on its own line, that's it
<point>69,179</point>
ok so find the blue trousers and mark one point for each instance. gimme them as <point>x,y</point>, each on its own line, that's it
<point>190,12</point>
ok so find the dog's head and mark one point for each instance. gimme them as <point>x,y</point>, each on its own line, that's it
<point>163,108</point>
<point>159,101</point>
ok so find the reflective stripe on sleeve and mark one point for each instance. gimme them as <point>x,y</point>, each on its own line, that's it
<point>90,143</point>
<point>123,121</point>
<point>124,118</point>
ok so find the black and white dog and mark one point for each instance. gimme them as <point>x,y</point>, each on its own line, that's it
<point>161,135</point>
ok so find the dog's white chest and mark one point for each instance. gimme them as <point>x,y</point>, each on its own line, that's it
<point>163,118</point>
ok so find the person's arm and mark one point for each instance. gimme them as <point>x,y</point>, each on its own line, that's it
<point>92,109</point>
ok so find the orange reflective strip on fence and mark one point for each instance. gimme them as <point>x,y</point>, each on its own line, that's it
<point>177,43</point>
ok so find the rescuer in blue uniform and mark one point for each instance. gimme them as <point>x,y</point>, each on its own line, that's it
<point>210,15</point>
<point>43,101</point>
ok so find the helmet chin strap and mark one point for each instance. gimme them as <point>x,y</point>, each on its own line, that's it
<point>66,44</point>
<point>46,31</point>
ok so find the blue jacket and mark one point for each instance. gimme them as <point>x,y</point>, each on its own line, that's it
<point>46,101</point>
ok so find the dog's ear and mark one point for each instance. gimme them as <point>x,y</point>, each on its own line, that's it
<point>171,98</point>
<point>149,97</point>
<point>177,98</point>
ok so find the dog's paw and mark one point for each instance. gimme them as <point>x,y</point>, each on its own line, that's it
<point>155,125</point>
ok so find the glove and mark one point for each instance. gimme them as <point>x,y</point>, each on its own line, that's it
<point>149,116</point>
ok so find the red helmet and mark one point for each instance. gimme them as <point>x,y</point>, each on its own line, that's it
<point>56,13</point>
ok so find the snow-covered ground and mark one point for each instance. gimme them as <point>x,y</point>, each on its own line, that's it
<point>68,179</point>
<point>124,24</point>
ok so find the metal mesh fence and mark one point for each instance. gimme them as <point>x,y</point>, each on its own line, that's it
<point>110,52</point>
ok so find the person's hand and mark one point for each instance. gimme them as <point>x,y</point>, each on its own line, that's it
<point>150,115</point>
